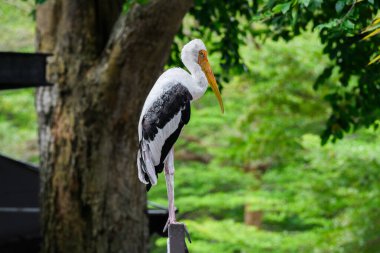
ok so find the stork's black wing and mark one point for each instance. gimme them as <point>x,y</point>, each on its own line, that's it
<point>161,125</point>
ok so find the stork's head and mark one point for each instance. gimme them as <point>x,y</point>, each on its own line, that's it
<point>195,53</point>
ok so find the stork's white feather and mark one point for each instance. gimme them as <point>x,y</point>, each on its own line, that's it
<point>189,55</point>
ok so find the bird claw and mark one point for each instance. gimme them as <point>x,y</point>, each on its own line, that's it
<point>187,234</point>
<point>166,226</point>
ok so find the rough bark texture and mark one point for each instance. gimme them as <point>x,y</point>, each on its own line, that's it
<point>103,65</point>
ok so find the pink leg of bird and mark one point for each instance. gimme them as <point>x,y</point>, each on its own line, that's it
<point>169,177</point>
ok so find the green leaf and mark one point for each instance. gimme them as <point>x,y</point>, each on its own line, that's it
<point>348,24</point>
<point>339,6</point>
<point>305,2</point>
<point>316,4</point>
<point>373,26</point>
<point>282,8</point>
<point>323,77</point>
<point>377,31</point>
<point>376,59</point>
<point>294,16</point>
<point>328,25</point>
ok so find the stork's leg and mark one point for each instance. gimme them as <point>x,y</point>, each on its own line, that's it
<point>169,177</point>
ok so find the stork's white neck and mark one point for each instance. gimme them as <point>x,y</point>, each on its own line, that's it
<point>199,85</point>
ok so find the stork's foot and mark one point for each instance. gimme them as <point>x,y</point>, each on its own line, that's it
<point>187,234</point>
<point>169,221</point>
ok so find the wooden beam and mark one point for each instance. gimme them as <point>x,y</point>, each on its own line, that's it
<point>21,70</point>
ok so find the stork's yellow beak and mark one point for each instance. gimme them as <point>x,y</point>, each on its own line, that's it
<point>206,68</point>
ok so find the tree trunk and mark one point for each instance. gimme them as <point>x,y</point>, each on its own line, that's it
<point>103,65</point>
<point>252,218</point>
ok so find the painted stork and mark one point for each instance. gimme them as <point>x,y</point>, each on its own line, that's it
<point>166,111</point>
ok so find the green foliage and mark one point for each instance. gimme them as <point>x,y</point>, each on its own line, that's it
<point>16,26</point>
<point>373,30</point>
<point>340,24</point>
<point>18,124</point>
<point>331,191</point>
<point>281,104</point>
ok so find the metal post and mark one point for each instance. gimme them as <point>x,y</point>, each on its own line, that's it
<point>176,239</point>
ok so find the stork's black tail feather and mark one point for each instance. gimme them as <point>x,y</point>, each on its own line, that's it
<point>159,168</point>
<point>148,186</point>
<point>146,170</point>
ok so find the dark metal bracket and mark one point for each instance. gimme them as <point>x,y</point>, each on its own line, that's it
<point>22,70</point>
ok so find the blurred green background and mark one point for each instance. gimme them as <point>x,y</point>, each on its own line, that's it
<point>255,179</point>
<point>18,124</point>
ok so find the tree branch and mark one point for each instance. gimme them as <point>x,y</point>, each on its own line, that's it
<point>90,21</point>
<point>145,29</point>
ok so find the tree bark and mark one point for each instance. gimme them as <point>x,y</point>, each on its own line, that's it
<point>103,65</point>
